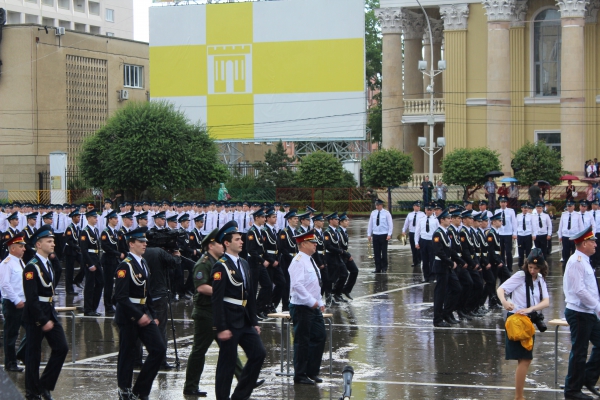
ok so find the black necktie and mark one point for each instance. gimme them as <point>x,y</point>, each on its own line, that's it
<point>245,216</point>
<point>239,265</point>
<point>524,226</point>
<point>274,233</point>
<point>57,219</point>
<point>22,265</point>
<point>145,267</point>
<point>377,223</point>
<point>414,220</point>
<point>569,225</point>
<point>218,215</point>
<point>96,232</point>
<point>503,219</point>
<point>316,271</point>
<point>540,218</point>
<point>427,225</point>
<point>50,271</point>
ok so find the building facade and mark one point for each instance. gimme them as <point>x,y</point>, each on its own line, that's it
<point>517,71</point>
<point>100,17</point>
<point>56,90</point>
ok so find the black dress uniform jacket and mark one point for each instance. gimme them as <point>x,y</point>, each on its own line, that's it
<point>38,281</point>
<point>493,242</point>
<point>122,243</point>
<point>29,246</point>
<point>90,247</point>
<point>286,245</point>
<point>11,232</point>
<point>483,248</point>
<point>270,245</point>
<point>196,243</point>
<point>132,283</point>
<point>228,282</point>
<point>333,250</point>
<point>71,240</point>
<point>468,248</point>
<point>110,246</point>
<point>319,255</point>
<point>254,247</point>
<point>443,252</point>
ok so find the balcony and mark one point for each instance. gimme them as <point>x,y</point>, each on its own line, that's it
<point>418,110</point>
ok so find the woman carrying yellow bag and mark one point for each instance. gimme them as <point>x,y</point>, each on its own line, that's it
<point>529,296</point>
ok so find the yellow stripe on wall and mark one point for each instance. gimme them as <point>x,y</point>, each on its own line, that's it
<point>231,116</point>
<point>229,23</point>
<point>178,71</point>
<point>308,66</point>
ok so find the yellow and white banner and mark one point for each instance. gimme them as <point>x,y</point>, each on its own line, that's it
<point>290,70</point>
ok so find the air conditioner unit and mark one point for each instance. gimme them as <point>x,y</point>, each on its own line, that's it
<point>123,95</point>
<point>59,31</point>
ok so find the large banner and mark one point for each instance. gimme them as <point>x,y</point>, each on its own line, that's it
<point>263,71</point>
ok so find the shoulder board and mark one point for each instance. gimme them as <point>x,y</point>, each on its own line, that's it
<point>127,259</point>
<point>298,256</point>
<point>438,230</point>
<point>34,260</point>
<point>7,259</point>
<point>579,258</point>
<point>222,260</point>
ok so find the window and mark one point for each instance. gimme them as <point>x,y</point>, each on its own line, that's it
<point>95,29</point>
<point>80,27</point>
<point>31,19</point>
<point>66,4</point>
<point>110,15</point>
<point>546,53</point>
<point>13,17</point>
<point>94,7</point>
<point>31,1</point>
<point>48,21</point>
<point>111,34</point>
<point>133,76</point>
<point>64,24</point>
<point>552,139</point>
<point>48,3</point>
<point>79,5</point>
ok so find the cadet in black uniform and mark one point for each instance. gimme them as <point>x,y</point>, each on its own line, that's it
<point>196,237</point>
<point>127,219</point>
<point>13,222</point>
<point>111,257</point>
<point>348,260</point>
<point>72,251</point>
<point>89,242</point>
<point>258,264</point>
<point>287,251</point>
<point>269,233</point>
<point>471,288</point>
<point>29,232</point>
<point>41,320</point>
<point>486,267</point>
<point>333,258</point>
<point>447,288</point>
<point>234,318</point>
<point>494,258</point>
<point>187,254</point>
<point>135,318</point>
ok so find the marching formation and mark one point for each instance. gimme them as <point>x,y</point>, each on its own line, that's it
<point>242,261</point>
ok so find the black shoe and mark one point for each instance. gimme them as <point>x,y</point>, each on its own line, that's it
<point>109,310</point>
<point>316,379</point>
<point>125,394</point>
<point>175,298</point>
<point>578,396</point>
<point>375,272</point>
<point>197,393</point>
<point>166,366</point>
<point>465,316</point>
<point>92,314</point>
<point>450,319</point>
<point>347,294</point>
<point>339,299</point>
<point>495,306</point>
<point>259,383</point>
<point>29,396</point>
<point>79,285</point>
<point>441,324</point>
<point>262,315</point>
<point>285,309</point>
<point>184,296</point>
<point>304,380</point>
<point>13,368</point>
<point>189,293</point>
<point>46,395</point>
<point>592,388</point>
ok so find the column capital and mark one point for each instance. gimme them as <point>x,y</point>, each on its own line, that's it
<point>521,7</point>
<point>413,24</point>
<point>499,10</point>
<point>390,19</point>
<point>572,8</point>
<point>455,16</point>
<point>437,31</point>
<point>591,12</point>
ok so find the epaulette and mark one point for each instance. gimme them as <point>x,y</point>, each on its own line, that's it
<point>127,259</point>
<point>222,260</point>
<point>34,260</point>
<point>579,258</point>
<point>7,259</point>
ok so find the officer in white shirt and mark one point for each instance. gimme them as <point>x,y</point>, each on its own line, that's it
<point>595,258</point>
<point>306,310</point>
<point>410,225</point>
<point>542,228</point>
<point>570,225</point>
<point>59,225</point>
<point>423,236</point>
<point>13,301</point>
<point>483,204</point>
<point>244,221</point>
<point>586,216</point>
<point>524,233</point>
<point>507,231</point>
<point>580,288</point>
<point>380,232</point>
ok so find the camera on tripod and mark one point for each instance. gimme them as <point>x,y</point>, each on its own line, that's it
<point>166,238</point>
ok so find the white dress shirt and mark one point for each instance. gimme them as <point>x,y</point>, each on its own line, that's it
<point>509,224</point>
<point>3,222</point>
<point>410,224</point>
<point>579,285</point>
<point>385,226</point>
<point>596,216</point>
<point>304,281</point>
<point>235,260</point>
<point>546,224</point>
<point>11,279</point>
<point>245,221</point>
<point>528,229</point>
<point>576,224</point>
<point>516,285</point>
<point>588,219</point>
<point>421,231</point>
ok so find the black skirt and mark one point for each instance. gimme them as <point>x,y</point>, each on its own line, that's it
<point>515,350</point>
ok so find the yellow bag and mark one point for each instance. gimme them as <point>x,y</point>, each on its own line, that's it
<point>520,329</point>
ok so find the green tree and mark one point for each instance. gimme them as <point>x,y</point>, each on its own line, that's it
<point>467,168</point>
<point>373,45</point>
<point>387,167</point>
<point>276,170</point>
<point>319,169</point>
<point>150,144</point>
<point>535,161</point>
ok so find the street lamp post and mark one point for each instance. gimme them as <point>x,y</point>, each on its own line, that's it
<point>431,150</point>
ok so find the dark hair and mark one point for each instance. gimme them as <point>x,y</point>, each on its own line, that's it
<point>543,271</point>
<point>229,236</point>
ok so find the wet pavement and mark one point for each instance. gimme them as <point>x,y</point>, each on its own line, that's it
<point>386,334</point>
